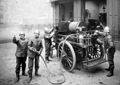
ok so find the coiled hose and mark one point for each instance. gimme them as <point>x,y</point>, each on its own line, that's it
<point>51,75</point>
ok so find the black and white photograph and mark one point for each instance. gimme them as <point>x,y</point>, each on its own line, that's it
<point>59,42</point>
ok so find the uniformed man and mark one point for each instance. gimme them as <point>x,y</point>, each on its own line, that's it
<point>110,47</point>
<point>47,38</point>
<point>35,48</point>
<point>21,54</point>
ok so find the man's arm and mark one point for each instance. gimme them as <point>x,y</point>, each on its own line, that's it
<point>52,34</point>
<point>15,40</point>
<point>41,49</point>
<point>110,41</point>
<point>30,46</point>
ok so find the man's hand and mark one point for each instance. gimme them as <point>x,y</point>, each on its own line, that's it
<point>32,49</point>
<point>14,36</point>
<point>38,52</point>
<point>15,40</point>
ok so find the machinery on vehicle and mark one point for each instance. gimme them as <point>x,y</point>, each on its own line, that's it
<point>76,44</point>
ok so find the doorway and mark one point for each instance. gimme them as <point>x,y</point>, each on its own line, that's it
<point>96,9</point>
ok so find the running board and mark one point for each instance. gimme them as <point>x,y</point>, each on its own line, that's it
<point>94,62</point>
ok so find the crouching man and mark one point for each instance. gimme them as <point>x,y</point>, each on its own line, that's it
<point>21,54</point>
<point>35,48</point>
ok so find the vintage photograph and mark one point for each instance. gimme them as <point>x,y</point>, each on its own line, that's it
<point>59,42</point>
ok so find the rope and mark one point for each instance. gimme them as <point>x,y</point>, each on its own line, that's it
<point>50,75</point>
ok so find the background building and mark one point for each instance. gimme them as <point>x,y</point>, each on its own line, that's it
<point>105,10</point>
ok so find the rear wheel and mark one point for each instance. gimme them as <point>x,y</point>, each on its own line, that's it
<point>67,55</point>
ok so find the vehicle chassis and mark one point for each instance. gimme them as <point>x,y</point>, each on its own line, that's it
<point>71,52</point>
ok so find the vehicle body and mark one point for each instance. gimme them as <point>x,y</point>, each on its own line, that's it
<point>78,47</point>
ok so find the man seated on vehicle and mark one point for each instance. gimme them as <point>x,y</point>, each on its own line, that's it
<point>95,40</point>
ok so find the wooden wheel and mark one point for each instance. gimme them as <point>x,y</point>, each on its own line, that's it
<point>67,56</point>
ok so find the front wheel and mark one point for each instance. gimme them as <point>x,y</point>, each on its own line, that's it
<point>67,55</point>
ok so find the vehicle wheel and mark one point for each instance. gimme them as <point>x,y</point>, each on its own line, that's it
<point>67,56</point>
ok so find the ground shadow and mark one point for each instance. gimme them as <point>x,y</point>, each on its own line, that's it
<point>93,70</point>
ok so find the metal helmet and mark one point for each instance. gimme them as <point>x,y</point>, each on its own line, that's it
<point>21,33</point>
<point>47,30</point>
<point>37,31</point>
<point>106,29</point>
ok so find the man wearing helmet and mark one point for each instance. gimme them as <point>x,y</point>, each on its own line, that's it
<point>47,38</point>
<point>21,54</point>
<point>110,48</point>
<point>35,48</point>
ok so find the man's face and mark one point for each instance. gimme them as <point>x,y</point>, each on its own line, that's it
<point>22,36</point>
<point>36,35</point>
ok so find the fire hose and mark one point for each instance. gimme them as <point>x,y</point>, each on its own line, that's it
<point>52,76</point>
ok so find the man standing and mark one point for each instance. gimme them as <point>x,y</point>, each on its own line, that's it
<point>34,50</point>
<point>110,47</point>
<point>47,38</point>
<point>21,54</point>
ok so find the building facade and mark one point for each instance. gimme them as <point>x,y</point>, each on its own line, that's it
<point>81,10</point>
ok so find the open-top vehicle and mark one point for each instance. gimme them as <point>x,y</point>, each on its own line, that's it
<point>79,46</point>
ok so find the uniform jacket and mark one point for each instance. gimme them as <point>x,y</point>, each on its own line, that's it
<point>35,43</point>
<point>108,42</point>
<point>22,47</point>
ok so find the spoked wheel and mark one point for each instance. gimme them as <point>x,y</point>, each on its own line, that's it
<point>67,55</point>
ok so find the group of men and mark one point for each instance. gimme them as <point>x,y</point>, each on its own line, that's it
<point>31,48</point>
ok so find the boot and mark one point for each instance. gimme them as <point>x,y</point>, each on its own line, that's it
<point>107,69</point>
<point>24,74</point>
<point>29,79</point>
<point>23,69</point>
<point>111,72</point>
<point>36,73</point>
<point>17,78</point>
